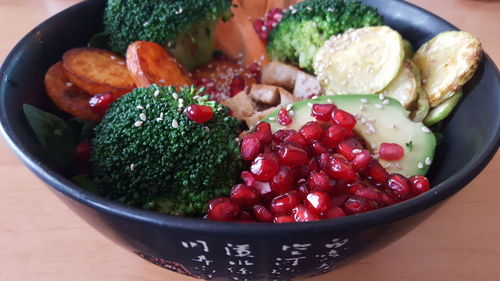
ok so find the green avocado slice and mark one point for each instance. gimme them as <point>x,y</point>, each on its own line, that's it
<point>389,121</point>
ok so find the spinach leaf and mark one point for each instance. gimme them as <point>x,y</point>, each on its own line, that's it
<point>53,133</point>
<point>82,129</point>
<point>99,40</point>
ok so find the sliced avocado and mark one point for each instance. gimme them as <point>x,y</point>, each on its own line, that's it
<point>391,124</point>
<point>442,111</point>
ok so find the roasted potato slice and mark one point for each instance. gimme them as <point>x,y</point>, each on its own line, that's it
<point>222,74</point>
<point>66,96</point>
<point>446,63</point>
<point>405,86</point>
<point>149,63</point>
<point>96,71</point>
<point>421,108</point>
<point>359,61</point>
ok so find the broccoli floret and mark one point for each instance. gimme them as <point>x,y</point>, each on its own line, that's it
<point>186,27</point>
<point>306,26</point>
<point>148,154</point>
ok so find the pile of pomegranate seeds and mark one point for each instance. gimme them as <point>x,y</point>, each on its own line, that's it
<point>312,174</point>
<point>264,26</point>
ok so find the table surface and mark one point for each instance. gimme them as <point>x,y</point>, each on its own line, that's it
<point>41,239</point>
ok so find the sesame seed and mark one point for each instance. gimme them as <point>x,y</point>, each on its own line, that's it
<point>291,113</point>
<point>140,107</point>
<point>357,150</point>
<point>112,57</point>
<point>156,93</point>
<point>425,130</point>
<point>145,24</point>
<point>393,125</point>
<point>372,129</point>
<point>373,145</point>
<point>175,124</point>
<point>386,102</point>
<point>161,114</point>
<point>219,108</point>
<point>207,129</point>
<point>161,81</point>
<point>314,97</point>
<point>387,165</point>
<point>289,107</point>
<point>329,101</point>
<point>379,106</point>
<point>272,118</point>
<point>142,116</point>
<point>365,101</point>
<point>368,132</point>
<point>138,123</point>
<point>132,167</point>
<point>420,165</point>
<point>121,62</point>
<point>428,161</point>
<point>237,139</point>
<point>175,96</point>
<point>69,84</point>
<point>309,104</point>
<point>159,119</point>
<point>181,101</point>
<point>363,120</point>
<point>398,166</point>
<point>362,108</point>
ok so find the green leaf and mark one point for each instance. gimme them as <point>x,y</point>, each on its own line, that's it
<point>99,40</point>
<point>85,183</point>
<point>53,133</point>
<point>82,129</point>
<point>409,145</point>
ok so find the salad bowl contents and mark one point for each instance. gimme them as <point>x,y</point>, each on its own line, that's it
<point>277,118</point>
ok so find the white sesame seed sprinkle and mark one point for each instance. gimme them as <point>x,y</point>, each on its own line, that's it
<point>142,116</point>
<point>363,100</point>
<point>112,57</point>
<point>428,161</point>
<point>420,165</point>
<point>175,96</point>
<point>314,97</point>
<point>373,145</point>
<point>69,84</point>
<point>237,139</point>
<point>393,125</point>
<point>372,129</point>
<point>272,118</point>
<point>289,107</point>
<point>159,119</point>
<point>291,113</point>
<point>140,107</point>
<point>121,62</point>
<point>207,129</point>
<point>363,120</point>
<point>381,96</point>
<point>379,106</point>
<point>219,108</point>
<point>329,101</point>
<point>357,150</point>
<point>181,101</point>
<point>310,104</point>
<point>398,166</point>
<point>387,165</point>
<point>362,108</point>
<point>132,167</point>
<point>425,130</point>
<point>161,81</point>
<point>156,93</point>
<point>138,123</point>
<point>175,124</point>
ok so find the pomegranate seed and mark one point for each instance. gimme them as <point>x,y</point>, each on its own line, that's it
<point>237,85</point>
<point>357,205</point>
<point>262,213</point>
<point>339,168</point>
<point>283,204</point>
<point>399,186</point>
<point>283,219</point>
<point>264,132</point>
<point>419,184</point>
<point>343,119</point>
<point>255,69</point>
<point>370,193</point>
<point>303,189</point>
<point>391,151</point>
<point>82,152</point>
<point>346,148</point>
<point>265,166</point>
<point>334,212</point>
<point>303,214</point>
<point>376,173</point>
<point>282,181</point>
<point>222,209</point>
<point>244,195</point>
<point>199,113</point>
<point>339,200</point>
<point>259,26</point>
<point>361,161</point>
<point>311,131</point>
<point>324,160</point>
<point>313,165</point>
<point>292,155</point>
<point>250,147</point>
<point>318,201</point>
<point>283,117</point>
<point>322,112</point>
<point>101,102</point>
<point>354,186</point>
<point>318,148</point>
<point>274,16</point>
<point>335,134</point>
<point>263,188</point>
<point>281,136</point>
<point>244,216</point>
<point>319,181</point>
<point>301,172</point>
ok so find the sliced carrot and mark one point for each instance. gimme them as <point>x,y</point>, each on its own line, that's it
<point>222,74</point>
<point>96,71</point>
<point>149,63</point>
<point>66,96</point>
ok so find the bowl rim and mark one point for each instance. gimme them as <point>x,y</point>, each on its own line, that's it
<point>350,223</point>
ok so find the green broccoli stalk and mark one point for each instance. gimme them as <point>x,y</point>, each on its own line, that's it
<point>186,27</point>
<point>148,154</point>
<point>306,26</point>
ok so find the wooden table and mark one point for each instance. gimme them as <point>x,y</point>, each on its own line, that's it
<point>40,239</point>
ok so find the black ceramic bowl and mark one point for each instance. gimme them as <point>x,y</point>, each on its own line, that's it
<point>236,251</point>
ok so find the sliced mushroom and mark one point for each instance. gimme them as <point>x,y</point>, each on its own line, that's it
<point>280,74</point>
<point>265,94</point>
<point>241,105</point>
